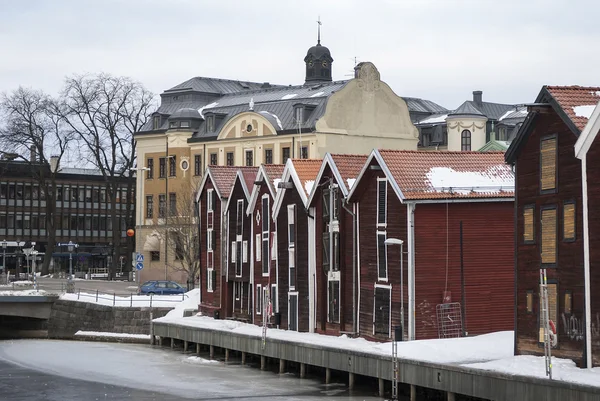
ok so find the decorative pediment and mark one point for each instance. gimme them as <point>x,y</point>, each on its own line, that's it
<point>247,125</point>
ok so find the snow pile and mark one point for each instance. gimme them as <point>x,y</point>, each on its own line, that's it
<point>157,301</point>
<point>191,302</point>
<point>82,333</point>
<point>208,106</point>
<point>21,283</point>
<point>492,180</point>
<point>584,111</point>
<point>434,119</point>
<point>202,361</point>
<point>462,350</point>
<point>527,365</point>
<point>21,293</point>
<point>274,116</point>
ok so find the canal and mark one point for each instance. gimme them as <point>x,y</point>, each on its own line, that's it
<point>75,370</point>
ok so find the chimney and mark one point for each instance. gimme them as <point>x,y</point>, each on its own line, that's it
<point>477,95</point>
<point>265,85</point>
<point>32,155</point>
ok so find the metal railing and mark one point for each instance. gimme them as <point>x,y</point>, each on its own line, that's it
<point>132,298</point>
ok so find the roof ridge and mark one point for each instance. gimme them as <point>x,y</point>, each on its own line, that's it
<point>278,88</point>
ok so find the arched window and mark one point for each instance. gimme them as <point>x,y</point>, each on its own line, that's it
<point>465,140</point>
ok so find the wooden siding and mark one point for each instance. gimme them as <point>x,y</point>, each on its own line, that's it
<point>593,172</point>
<point>211,300</point>
<point>396,228</point>
<point>292,197</point>
<point>568,270</point>
<point>488,249</point>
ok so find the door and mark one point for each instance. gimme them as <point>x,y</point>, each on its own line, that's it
<point>293,312</point>
<point>382,311</point>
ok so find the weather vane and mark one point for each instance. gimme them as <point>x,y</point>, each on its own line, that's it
<point>319,30</point>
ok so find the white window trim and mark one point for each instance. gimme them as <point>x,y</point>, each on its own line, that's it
<point>258,248</point>
<point>291,294</point>
<point>291,211</point>
<point>273,246</point>
<point>389,287</point>
<point>209,204</point>
<point>233,251</point>
<point>384,279</point>
<point>211,286</point>
<point>258,290</point>
<point>274,301</point>
<point>384,224</point>
<point>266,235</point>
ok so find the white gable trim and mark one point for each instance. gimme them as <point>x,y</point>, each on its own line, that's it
<point>588,135</point>
<point>288,172</point>
<point>328,161</point>
<point>261,174</point>
<point>379,159</point>
<point>239,176</point>
<point>207,174</point>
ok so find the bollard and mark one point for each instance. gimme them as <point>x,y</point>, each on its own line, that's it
<point>302,371</point>
<point>281,366</point>
<point>327,375</point>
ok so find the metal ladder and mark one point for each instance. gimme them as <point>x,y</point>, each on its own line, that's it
<point>395,367</point>
<point>546,322</point>
<point>265,308</point>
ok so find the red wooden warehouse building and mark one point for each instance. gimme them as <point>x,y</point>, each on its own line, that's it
<point>264,273</point>
<point>334,242</point>
<point>549,223</point>
<point>452,282</point>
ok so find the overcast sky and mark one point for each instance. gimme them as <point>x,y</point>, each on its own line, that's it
<point>439,50</point>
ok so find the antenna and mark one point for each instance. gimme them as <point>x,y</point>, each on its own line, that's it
<point>319,30</point>
<point>352,71</point>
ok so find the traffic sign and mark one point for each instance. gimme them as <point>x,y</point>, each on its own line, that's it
<point>139,265</point>
<point>140,257</point>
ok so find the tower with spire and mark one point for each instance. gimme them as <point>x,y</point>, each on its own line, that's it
<point>318,61</point>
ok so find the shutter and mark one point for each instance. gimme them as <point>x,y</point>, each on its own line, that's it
<point>265,214</point>
<point>336,252</point>
<point>548,164</point>
<point>381,257</point>
<point>528,225</point>
<point>258,299</point>
<point>382,311</point>
<point>552,309</point>
<point>326,256</point>
<point>258,247</point>
<point>569,221</point>
<point>381,201</point>
<point>548,236</point>
<point>245,251</point>
<point>233,252</point>
<point>214,279</point>
<point>326,206</point>
<point>336,203</point>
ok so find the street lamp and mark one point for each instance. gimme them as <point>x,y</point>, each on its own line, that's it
<point>4,245</point>
<point>396,241</point>
<point>71,247</point>
<point>18,253</point>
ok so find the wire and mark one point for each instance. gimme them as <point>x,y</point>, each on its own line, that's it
<point>447,247</point>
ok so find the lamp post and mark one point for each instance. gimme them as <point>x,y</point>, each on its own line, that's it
<point>70,286</point>
<point>395,241</point>
<point>18,253</point>
<point>4,245</point>
<point>33,260</point>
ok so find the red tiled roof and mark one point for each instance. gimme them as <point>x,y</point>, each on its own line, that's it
<point>274,171</point>
<point>249,174</point>
<point>349,166</point>
<point>223,178</point>
<point>307,170</point>
<point>571,97</point>
<point>442,175</point>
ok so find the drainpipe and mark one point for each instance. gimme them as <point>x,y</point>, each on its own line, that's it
<point>410,217</point>
<point>344,205</point>
<point>586,265</point>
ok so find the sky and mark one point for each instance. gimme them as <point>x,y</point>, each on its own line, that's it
<point>440,50</point>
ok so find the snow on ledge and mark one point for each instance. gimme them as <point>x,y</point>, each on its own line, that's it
<point>82,333</point>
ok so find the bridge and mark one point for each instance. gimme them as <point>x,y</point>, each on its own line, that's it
<point>25,316</point>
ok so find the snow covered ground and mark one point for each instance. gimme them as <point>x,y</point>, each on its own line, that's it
<point>82,333</point>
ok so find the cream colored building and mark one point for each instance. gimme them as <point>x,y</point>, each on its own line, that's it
<point>206,121</point>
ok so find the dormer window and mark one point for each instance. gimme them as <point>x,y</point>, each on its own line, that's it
<point>184,124</point>
<point>156,122</point>
<point>173,124</point>
<point>210,123</point>
<point>299,114</point>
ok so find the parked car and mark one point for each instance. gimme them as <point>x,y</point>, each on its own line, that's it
<point>161,288</point>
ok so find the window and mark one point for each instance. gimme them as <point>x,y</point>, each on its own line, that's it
<point>548,242</point>
<point>465,138</point>
<point>162,169</point>
<point>197,165</point>
<point>268,156</point>
<point>273,298</point>
<point>185,124</point>
<point>245,251</point>
<point>381,257</point>
<point>173,124</point>
<point>149,206</point>
<point>154,256</point>
<point>258,247</point>
<point>548,164</point>
<point>233,251</point>
<point>150,171</point>
<point>291,214</point>
<point>249,158</point>
<point>259,296</point>
<point>285,154</point>
<point>173,204</point>
<point>162,205</point>
<point>298,115</point>
<point>210,123</point>
<point>381,201</point>
<point>528,224</point>
<point>304,152</point>
<point>229,159</point>
<point>172,164</point>
<point>156,122</point>
<point>529,301</point>
<point>569,221</point>
<point>265,234</point>
<point>213,159</point>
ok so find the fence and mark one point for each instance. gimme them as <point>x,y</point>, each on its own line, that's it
<point>131,299</point>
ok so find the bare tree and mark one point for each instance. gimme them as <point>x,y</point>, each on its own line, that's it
<point>104,112</point>
<point>35,133</point>
<point>180,230</point>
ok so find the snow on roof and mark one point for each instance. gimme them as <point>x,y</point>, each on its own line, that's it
<point>274,116</point>
<point>445,179</point>
<point>350,182</point>
<point>289,96</point>
<point>584,111</point>
<point>308,185</point>
<point>317,94</point>
<point>434,119</point>
<point>208,106</point>
<point>276,182</point>
<point>520,113</point>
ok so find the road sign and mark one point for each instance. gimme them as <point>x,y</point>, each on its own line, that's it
<point>139,265</point>
<point>140,257</point>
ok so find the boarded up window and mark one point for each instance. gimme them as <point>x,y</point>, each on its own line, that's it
<point>548,164</point>
<point>382,311</point>
<point>381,257</point>
<point>569,221</point>
<point>552,309</point>
<point>548,236</point>
<point>381,201</point>
<point>293,312</point>
<point>528,225</point>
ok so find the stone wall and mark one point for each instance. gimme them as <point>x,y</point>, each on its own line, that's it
<point>68,317</point>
